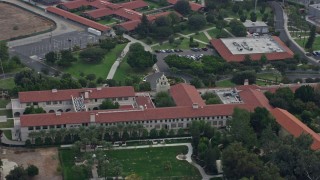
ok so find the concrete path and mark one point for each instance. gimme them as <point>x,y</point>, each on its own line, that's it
<point>7,166</point>
<point>188,156</point>
<point>124,52</point>
<point>62,25</point>
<point>207,34</point>
<point>5,140</point>
<point>188,36</point>
<point>228,32</point>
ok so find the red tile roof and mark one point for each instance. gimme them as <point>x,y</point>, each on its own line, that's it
<point>60,95</point>
<point>226,54</point>
<point>78,19</point>
<point>134,4</point>
<point>194,6</point>
<point>128,14</point>
<point>254,97</point>
<point>186,95</point>
<point>108,116</point>
<point>294,126</point>
<point>75,4</point>
<point>98,13</point>
<point>129,25</point>
<point>152,17</point>
<point>145,101</point>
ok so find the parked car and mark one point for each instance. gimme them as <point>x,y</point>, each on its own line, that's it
<point>205,49</point>
<point>157,51</point>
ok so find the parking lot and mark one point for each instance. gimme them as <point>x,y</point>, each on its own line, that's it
<point>38,50</point>
<point>163,67</point>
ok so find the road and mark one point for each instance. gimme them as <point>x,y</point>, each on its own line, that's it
<point>281,21</point>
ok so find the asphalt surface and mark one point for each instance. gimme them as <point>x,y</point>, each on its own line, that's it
<point>162,65</point>
<point>279,26</point>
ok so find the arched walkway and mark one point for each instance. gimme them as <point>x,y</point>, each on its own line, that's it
<point>16,114</point>
<point>95,108</point>
<point>68,110</point>
<point>51,111</point>
<point>60,110</point>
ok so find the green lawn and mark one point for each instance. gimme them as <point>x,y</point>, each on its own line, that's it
<point>8,124</point>
<point>7,113</point>
<point>189,31</point>
<point>100,69</point>
<point>225,83</point>
<point>124,70</point>
<point>215,32</point>
<point>316,44</point>
<point>270,76</point>
<point>105,21</point>
<point>67,163</point>
<point>7,83</point>
<point>4,102</point>
<point>8,134</point>
<point>149,163</point>
<point>201,37</point>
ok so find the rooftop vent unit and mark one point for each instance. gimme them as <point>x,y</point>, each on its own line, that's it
<point>54,90</point>
<point>58,113</point>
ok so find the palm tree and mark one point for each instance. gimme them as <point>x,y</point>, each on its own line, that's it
<point>120,127</point>
<point>140,129</point>
<point>62,132</point>
<point>53,133</point>
<point>129,128</point>
<point>42,134</point>
<point>102,131</point>
<point>32,135</point>
<point>72,132</point>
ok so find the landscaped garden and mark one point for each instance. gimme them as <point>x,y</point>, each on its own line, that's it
<point>100,69</point>
<point>148,163</point>
<point>7,83</point>
<point>7,124</point>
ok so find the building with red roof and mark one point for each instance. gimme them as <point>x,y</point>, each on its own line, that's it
<point>194,6</point>
<point>292,125</point>
<point>235,49</point>
<point>79,19</point>
<point>186,95</point>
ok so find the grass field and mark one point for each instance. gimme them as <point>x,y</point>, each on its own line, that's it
<point>67,163</point>
<point>149,163</point>
<point>316,44</point>
<point>100,69</point>
<point>8,134</point>
<point>124,70</point>
<point>105,21</point>
<point>201,37</point>
<point>270,76</point>
<point>8,124</point>
<point>214,32</point>
<point>7,83</point>
<point>225,83</point>
<point>4,102</point>
<point>7,113</point>
<point>189,31</point>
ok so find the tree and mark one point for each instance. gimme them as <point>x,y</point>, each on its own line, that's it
<point>243,18</point>
<point>210,18</point>
<point>4,53</point>
<point>18,173</point>
<point>153,133</point>
<point>144,27</point>
<point>163,99</point>
<point>109,104</point>
<point>311,38</point>
<point>196,82</point>
<point>253,17</point>
<point>212,155</point>
<point>183,7</point>
<point>305,93</point>
<point>241,130</point>
<point>263,59</point>
<point>145,86</point>
<point>238,162</point>
<point>32,170</point>
<point>139,58</point>
<point>240,77</point>
<point>66,58</point>
<point>92,55</point>
<point>197,21</point>
<point>32,110</point>
<point>237,28</point>
<point>50,57</point>
<point>107,44</point>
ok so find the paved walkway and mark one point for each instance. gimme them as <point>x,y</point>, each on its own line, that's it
<point>5,140</point>
<point>188,36</point>
<point>124,52</point>
<point>62,25</point>
<point>207,34</point>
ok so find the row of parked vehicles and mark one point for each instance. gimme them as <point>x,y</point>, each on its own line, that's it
<point>168,51</point>
<point>195,57</point>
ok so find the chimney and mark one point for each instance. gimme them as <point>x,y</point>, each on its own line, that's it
<point>246,82</point>
<point>92,117</point>
<point>195,106</point>
<point>58,113</point>
<point>141,107</point>
<point>99,88</point>
<point>54,90</point>
<point>86,95</point>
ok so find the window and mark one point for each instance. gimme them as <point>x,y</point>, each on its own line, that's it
<point>64,125</point>
<point>120,99</point>
<point>125,98</point>
<point>60,102</point>
<point>214,123</point>
<point>52,127</point>
<point>95,100</point>
<point>157,126</point>
<point>55,102</point>
<point>180,125</point>
<point>37,127</point>
<point>173,125</point>
<point>58,126</point>
<point>30,128</point>
<point>44,127</point>
<point>28,104</point>
<point>48,102</point>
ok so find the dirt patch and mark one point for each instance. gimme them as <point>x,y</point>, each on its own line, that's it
<point>15,22</point>
<point>47,160</point>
